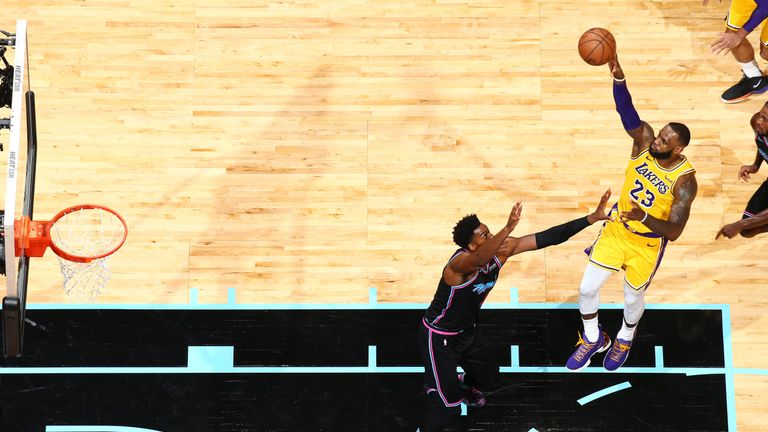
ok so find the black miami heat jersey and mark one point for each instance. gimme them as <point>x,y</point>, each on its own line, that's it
<point>762,146</point>
<point>456,308</point>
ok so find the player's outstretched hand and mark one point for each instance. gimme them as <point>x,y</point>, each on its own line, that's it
<point>599,213</point>
<point>729,231</point>
<point>726,42</point>
<point>615,68</point>
<point>746,170</point>
<point>635,213</point>
<point>514,216</point>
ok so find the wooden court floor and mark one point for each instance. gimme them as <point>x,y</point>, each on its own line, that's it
<point>306,151</point>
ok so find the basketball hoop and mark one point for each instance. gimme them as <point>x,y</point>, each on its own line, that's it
<point>83,237</point>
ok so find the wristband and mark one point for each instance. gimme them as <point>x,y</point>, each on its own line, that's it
<point>644,217</point>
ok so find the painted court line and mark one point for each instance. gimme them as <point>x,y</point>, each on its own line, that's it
<point>223,365</point>
<point>371,356</point>
<point>102,428</point>
<point>659,356</point>
<point>220,362</point>
<point>514,352</point>
<point>604,392</point>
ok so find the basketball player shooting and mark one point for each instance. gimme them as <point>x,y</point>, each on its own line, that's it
<point>653,209</point>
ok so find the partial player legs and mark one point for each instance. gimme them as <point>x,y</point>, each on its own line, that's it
<point>634,306</point>
<point>440,382</point>
<point>593,340</point>
<point>439,418</point>
<point>589,298</point>
<point>753,80</point>
<point>481,372</point>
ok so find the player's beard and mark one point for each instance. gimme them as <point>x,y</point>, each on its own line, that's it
<point>660,156</point>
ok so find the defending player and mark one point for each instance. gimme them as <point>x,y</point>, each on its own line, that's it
<point>448,334</point>
<point>755,218</point>
<point>653,208</point>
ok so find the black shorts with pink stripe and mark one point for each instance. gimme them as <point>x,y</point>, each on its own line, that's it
<point>441,352</point>
<point>758,202</point>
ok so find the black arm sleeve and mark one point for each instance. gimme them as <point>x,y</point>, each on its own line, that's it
<point>558,234</point>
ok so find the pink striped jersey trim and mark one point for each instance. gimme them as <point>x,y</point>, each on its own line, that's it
<point>437,377</point>
<point>440,332</point>
<point>453,290</point>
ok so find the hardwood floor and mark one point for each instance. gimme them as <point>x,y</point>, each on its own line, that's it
<point>305,151</point>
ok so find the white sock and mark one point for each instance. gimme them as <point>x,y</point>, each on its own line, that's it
<point>751,69</point>
<point>626,333</point>
<point>591,329</point>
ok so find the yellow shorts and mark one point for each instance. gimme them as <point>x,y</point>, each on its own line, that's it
<point>738,15</point>
<point>618,248</point>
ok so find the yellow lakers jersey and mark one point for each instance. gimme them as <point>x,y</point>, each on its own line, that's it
<point>650,185</point>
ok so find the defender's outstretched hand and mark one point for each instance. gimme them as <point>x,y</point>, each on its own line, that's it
<point>729,231</point>
<point>746,170</point>
<point>726,42</point>
<point>599,213</point>
<point>514,216</point>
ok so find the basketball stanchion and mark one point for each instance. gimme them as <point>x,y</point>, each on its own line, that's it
<point>11,95</point>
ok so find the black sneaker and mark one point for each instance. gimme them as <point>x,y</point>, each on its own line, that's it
<point>745,88</point>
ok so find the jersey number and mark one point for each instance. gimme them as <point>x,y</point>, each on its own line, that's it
<point>649,196</point>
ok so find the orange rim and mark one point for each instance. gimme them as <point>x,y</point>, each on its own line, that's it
<point>83,258</point>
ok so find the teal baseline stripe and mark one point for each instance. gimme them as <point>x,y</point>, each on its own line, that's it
<point>604,392</point>
<point>210,358</point>
<point>194,296</point>
<point>659,356</point>
<point>338,306</point>
<point>220,368</point>
<point>514,352</point>
<point>96,429</point>
<point>730,386</point>
<point>533,430</point>
<point>372,356</point>
<point>231,296</point>
<point>514,299</point>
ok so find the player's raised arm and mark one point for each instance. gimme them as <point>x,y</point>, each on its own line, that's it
<point>482,247</point>
<point>748,227</point>
<point>554,235</point>
<point>640,131</point>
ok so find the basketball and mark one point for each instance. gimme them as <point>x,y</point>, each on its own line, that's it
<point>597,46</point>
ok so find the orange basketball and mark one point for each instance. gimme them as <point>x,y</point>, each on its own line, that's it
<point>597,46</point>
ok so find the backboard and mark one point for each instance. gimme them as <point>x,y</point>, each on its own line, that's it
<point>16,263</point>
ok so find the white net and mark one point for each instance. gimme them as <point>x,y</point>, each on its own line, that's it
<point>85,281</point>
<point>80,237</point>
